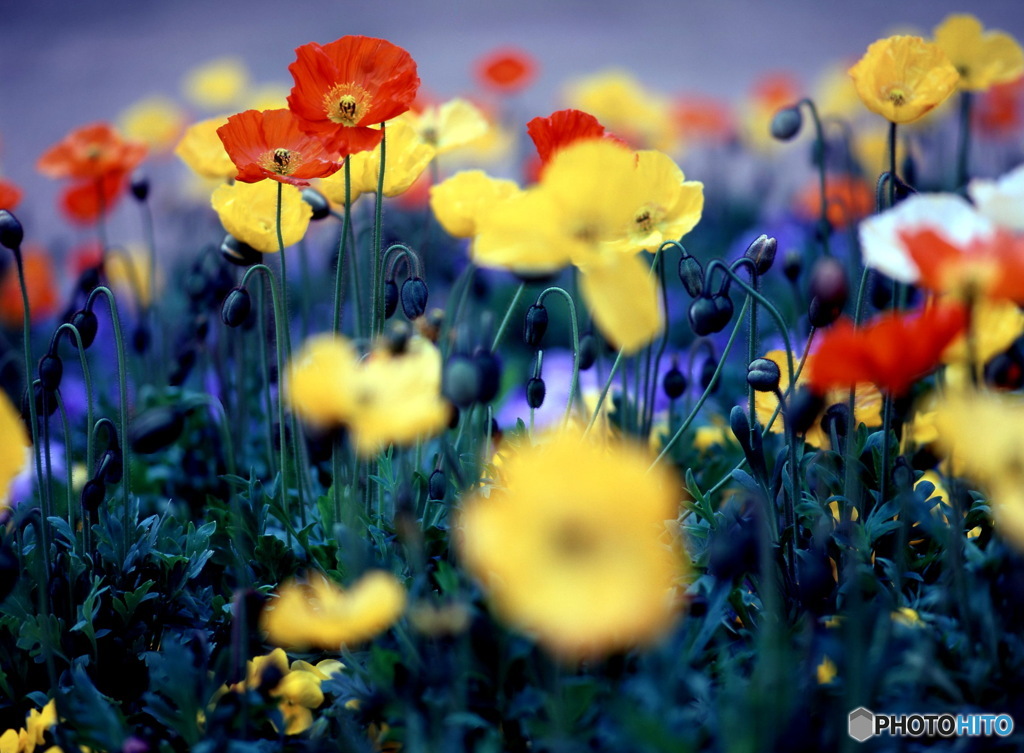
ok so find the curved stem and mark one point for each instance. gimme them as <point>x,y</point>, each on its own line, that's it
<point>508,317</point>
<point>67,461</point>
<point>819,140</point>
<point>413,265</point>
<point>604,392</point>
<point>574,383</point>
<point>68,327</point>
<point>377,298</point>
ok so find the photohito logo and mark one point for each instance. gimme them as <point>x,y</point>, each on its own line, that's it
<point>864,723</point>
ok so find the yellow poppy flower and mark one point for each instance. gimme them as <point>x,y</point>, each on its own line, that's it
<point>626,109</point>
<point>994,327</point>
<point>38,723</point>
<point>622,296</point>
<point>318,383</point>
<point>127,270</point>
<point>458,201</point>
<point>867,401</point>
<point>14,455</point>
<point>826,672</point>
<point>522,233</point>
<point>983,58</point>
<point>903,77</point>
<point>202,150</point>
<point>575,549</point>
<point>319,614</point>
<point>10,741</point>
<point>155,121</point>
<point>671,209</point>
<point>217,84</point>
<point>406,158</point>
<point>297,690</point>
<point>449,126</point>
<point>249,212</point>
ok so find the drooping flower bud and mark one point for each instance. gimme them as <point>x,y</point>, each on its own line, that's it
<point>723,310</point>
<point>460,382</point>
<point>156,428</point>
<point>750,441</point>
<point>489,367</point>
<point>140,185</point>
<point>436,486</point>
<point>93,494</point>
<point>51,370</point>
<point>836,416</point>
<point>691,274</point>
<point>588,351</point>
<point>414,298</point>
<point>535,325</point>
<point>390,298</point>
<point>321,207</point>
<point>674,383</point>
<point>11,232</point>
<point>763,375</point>
<point>535,392</point>
<point>762,252</point>
<point>238,253</point>
<point>111,466</point>
<point>87,325</point>
<point>787,123</point>
<point>236,308</point>
<point>803,409</point>
<point>703,316</point>
<point>829,283</point>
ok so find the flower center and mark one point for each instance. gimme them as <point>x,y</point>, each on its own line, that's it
<point>574,541</point>
<point>347,104</point>
<point>644,220</point>
<point>281,161</point>
<point>897,96</point>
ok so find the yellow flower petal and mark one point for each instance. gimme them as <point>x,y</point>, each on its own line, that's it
<point>983,58</point>
<point>14,454</point>
<point>317,386</point>
<point>202,150</point>
<point>249,212</point>
<point>623,298</point>
<point>452,125</point>
<point>462,199</point>
<point>406,157</point>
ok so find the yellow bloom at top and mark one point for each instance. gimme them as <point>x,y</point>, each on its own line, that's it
<point>983,58</point>
<point>14,454</point>
<point>903,77</point>
<point>449,126</point>
<point>218,84</point>
<point>576,550</point>
<point>319,614</point>
<point>155,121</point>
<point>406,157</point>
<point>249,212</point>
<point>202,150</point>
<point>626,109</point>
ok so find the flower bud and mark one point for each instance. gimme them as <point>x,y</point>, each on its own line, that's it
<point>821,314</point>
<point>321,207</point>
<point>140,185</point>
<point>236,308</point>
<point>762,252</point>
<point>588,351</point>
<point>489,367</point>
<point>674,383</point>
<point>786,123</point>
<point>828,283</point>
<point>763,375</point>
<point>414,298</point>
<point>238,253</point>
<point>87,325</point>
<point>156,428</point>
<point>691,274</point>
<point>792,265</point>
<point>93,494</point>
<point>111,466</point>
<point>397,338</point>
<point>703,316</point>
<point>836,416</point>
<point>1006,371</point>
<point>803,409</point>
<point>51,370</point>
<point>11,232</point>
<point>436,485</point>
<point>535,392</point>
<point>536,325</point>
<point>461,381</point>
<point>750,441</point>
<point>141,338</point>
<point>723,310</point>
<point>46,404</point>
<point>390,298</point>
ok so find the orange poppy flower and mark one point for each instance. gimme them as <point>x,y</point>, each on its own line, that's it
<point>343,88</point>
<point>999,110</point>
<point>39,276</point>
<point>270,144</point>
<point>849,199</point>
<point>992,266</point>
<point>559,129</point>
<point>506,70</point>
<point>91,152</point>
<point>10,195</point>
<point>704,118</point>
<point>891,352</point>
<point>85,201</point>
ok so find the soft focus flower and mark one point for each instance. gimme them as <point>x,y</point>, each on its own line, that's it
<point>701,118</point>
<point>90,153</point>
<point>297,688</point>
<point>892,351</point>
<point>983,58</point>
<point>1001,200</point>
<point>10,195</point>
<point>848,199</point>
<point>770,93</point>
<point>318,378</point>
<point>448,126</point>
<point>459,201</point>
<point>563,557</point>
<point>346,86</point>
<point>270,144</point>
<point>617,99</point>
<point>127,271</point>
<point>407,156</point>
<point>835,95</point>
<point>903,78</point>
<point>40,283</point>
<point>506,70</point>
<point>267,97</point>
<point>155,121</point>
<point>826,671</point>
<point>218,84</point>
<point>202,150</point>
<point>992,267</point>
<point>319,614</point>
<point>998,111</point>
<point>84,202</point>
<point>249,212</point>
<point>994,327</point>
<point>867,400</point>
<point>561,128</point>
<point>13,456</point>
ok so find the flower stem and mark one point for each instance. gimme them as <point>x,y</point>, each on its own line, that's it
<point>819,146</point>
<point>964,147</point>
<point>574,383</point>
<point>377,298</point>
<point>339,272</point>
<point>508,317</point>
<point>68,327</point>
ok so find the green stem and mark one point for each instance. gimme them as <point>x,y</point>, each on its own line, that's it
<point>68,327</point>
<point>964,147</point>
<point>574,383</point>
<point>508,317</point>
<point>67,462</point>
<point>268,410</point>
<point>892,164</point>
<point>377,298</point>
<point>339,272</point>
<point>819,145</point>
<point>604,392</point>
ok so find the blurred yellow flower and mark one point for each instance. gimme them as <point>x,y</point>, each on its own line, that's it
<point>14,456</point>
<point>406,158</point>
<point>995,324</point>
<point>203,151</point>
<point>319,614</point>
<point>627,109</point>
<point>297,688</point>
<point>127,270</point>
<point>459,201</point>
<point>622,296</point>
<point>317,386</point>
<point>983,58</point>
<point>903,77</point>
<point>37,724</point>
<point>451,125</point>
<point>671,208</point>
<point>266,97</point>
<point>155,121</point>
<point>218,84</point>
<point>249,212</point>
<point>907,617</point>
<point>835,95</point>
<point>579,548</point>
<point>867,402</point>
<point>826,671</point>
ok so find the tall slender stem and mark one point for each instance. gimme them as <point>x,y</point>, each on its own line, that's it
<point>574,383</point>
<point>508,317</point>
<point>377,299</point>
<point>819,145</point>
<point>964,148</point>
<point>339,272</point>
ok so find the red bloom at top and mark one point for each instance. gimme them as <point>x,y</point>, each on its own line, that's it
<point>270,144</point>
<point>993,267</point>
<point>559,129</point>
<point>892,352</point>
<point>346,86</point>
<point>506,70</point>
<point>10,195</point>
<point>91,152</point>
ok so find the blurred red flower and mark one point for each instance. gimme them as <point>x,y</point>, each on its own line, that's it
<point>991,266</point>
<point>999,110</point>
<point>849,199</point>
<point>91,152</point>
<point>506,70</point>
<point>10,195</point>
<point>891,352</point>
<point>271,144</point>
<point>704,119</point>
<point>84,201</point>
<point>564,127</point>
<point>39,284</point>
<point>343,88</point>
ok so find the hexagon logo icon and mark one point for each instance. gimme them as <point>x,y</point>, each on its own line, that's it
<point>862,724</point>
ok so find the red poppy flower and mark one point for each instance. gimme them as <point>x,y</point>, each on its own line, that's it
<point>270,144</point>
<point>559,129</point>
<point>849,199</point>
<point>85,201</point>
<point>991,266</point>
<point>39,279</point>
<point>892,352</point>
<point>10,195</point>
<point>704,118</point>
<point>346,86</point>
<point>92,152</point>
<point>506,70</point>
<point>999,110</point>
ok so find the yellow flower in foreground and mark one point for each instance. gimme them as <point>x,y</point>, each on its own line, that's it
<point>319,614</point>
<point>454,124</point>
<point>903,77</point>
<point>460,200</point>
<point>217,84</point>
<point>406,158</point>
<point>203,151</point>
<point>983,58</point>
<point>38,723</point>
<point>575,549</point>
<point>155,121</point>
<point>317,386</point>
<point>249,212</point>
<point>623,298</point>
<point>867,401</point>
<point>13,455</point>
